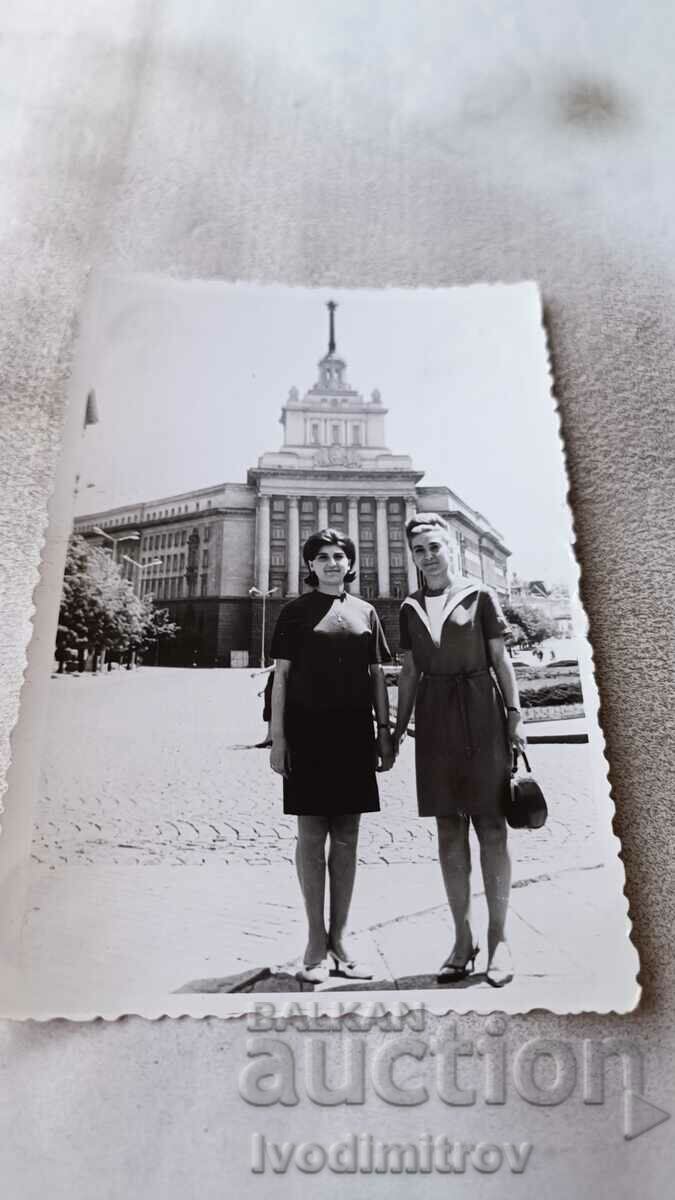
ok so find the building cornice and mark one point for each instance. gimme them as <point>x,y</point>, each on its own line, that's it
<point>483,534</point>
<point>190,518</point>
<point>352,474</point>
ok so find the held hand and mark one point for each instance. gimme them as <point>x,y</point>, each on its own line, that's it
<point>385,750</point>
<point>279,760</point>
<point>516,728</point>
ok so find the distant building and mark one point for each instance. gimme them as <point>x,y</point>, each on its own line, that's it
<point>199,553</point>
<point>554,602</point>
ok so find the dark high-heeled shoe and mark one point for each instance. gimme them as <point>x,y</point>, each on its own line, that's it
<point>500,972</point>
<point>350,968</point>
<point>454,972</point>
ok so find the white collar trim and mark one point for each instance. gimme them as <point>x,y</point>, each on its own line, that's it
<point>449,605</point>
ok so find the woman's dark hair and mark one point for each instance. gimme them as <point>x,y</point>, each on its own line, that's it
<point>328,537</point>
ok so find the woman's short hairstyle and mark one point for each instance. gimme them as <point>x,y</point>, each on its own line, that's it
<point>426,522</point>
<point>328,537</point>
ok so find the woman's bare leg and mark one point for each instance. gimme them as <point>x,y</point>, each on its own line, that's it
<point>455,860</point>
<point>496,867</point>
<point>310,862</point>
<point>344,836</point>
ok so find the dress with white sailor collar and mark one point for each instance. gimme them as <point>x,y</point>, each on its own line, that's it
<point>462,755</point>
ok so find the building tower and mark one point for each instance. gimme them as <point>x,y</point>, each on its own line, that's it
<point>334,469</point>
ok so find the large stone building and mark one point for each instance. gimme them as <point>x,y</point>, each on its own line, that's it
<point>199,553</point>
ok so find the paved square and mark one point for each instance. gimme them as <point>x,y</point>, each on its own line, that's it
<point>157,769</point>
<point>157,766</point>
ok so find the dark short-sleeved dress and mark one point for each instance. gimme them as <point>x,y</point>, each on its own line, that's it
<point>330,642</point>
<point>462,755</point>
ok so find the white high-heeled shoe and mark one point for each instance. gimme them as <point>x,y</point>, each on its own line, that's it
<point>315,972</point>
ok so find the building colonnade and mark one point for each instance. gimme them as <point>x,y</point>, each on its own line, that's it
<point>267,522</point>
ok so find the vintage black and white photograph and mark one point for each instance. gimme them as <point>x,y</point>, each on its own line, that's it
<point>322,716</point>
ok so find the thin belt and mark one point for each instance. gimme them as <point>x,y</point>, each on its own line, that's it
<point>459,680</point>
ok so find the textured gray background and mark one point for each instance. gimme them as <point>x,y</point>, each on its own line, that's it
<point>355,144</point>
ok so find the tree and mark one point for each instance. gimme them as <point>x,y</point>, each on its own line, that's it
<point>157,626</point>
<point>100,610</point>
<point>528,623</point>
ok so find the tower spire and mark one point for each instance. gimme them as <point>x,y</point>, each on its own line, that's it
<point>331,306</point>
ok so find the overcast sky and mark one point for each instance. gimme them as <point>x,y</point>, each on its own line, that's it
<point>190,379</point>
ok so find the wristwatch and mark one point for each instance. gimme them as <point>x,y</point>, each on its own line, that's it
<point>510,708</point>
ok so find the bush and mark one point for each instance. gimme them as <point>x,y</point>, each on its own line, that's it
<point>553,695</point>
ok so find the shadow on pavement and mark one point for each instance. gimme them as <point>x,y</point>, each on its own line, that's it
<point>264,979</point>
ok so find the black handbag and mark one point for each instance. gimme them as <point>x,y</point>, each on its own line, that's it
<point>527,806</point>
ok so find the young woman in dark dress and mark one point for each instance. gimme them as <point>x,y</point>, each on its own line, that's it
<point>328,648</point>
<point>465,728</point>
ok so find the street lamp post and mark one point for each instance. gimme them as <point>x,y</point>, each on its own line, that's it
<point>123,537</point>
<point>141,567</point>
<point>264,596</point>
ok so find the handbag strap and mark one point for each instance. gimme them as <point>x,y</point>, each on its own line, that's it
<point>514,767</point>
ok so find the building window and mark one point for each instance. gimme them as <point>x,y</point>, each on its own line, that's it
<point>356,435</point>
<point>208,503</point>
<point>279,533</point>
<point>337,507</point>
<point>394,506</point>
<point>205,558</point>
<point>307,506</point>
<point>163,543</point>
<point>306,532</point>
<point>277,558</point>
<point>182,562</point>
<point>207,533</point>
<point>367,561</point>
<point>175,562</point>
<point>395,533</point>
<point>368,589</point>
<point>183,537</point>
<point>315,433</point>
<point>335,434</point>
<point>204,584</point>
<point>367,533</point>
<point>366,506</point>
<point>173,512</point>
<point>396,559</point>
<point>279,506</point>
<point>197,506</point>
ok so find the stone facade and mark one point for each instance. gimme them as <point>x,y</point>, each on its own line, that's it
<point>200,553</point>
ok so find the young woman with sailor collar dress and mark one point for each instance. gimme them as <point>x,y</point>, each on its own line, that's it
<point>328,648</point>
<point>465,728</point>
